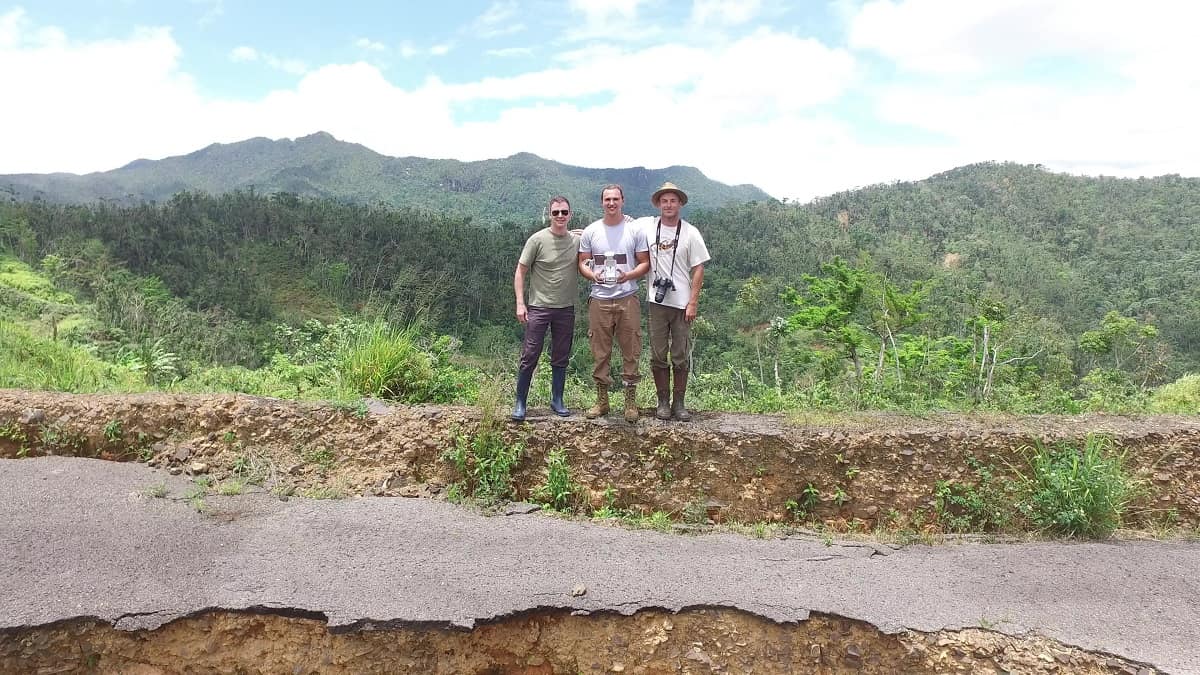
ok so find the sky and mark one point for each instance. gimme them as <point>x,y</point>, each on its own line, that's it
<point>802,98</point>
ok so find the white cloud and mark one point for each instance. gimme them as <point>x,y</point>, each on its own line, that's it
<point>507,52</point>
<point>499,19</point>
<point>949,36</point>
<point>599,11</point>
<point>11,25</point>
<point>370,45</point>
<point>725,12</point>
<point>770,109</point>
<point>213,10</point>
<point>243,53</point>
<point>440,50</point>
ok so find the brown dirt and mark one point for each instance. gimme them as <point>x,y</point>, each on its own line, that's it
<point>650,642</point>
<point>728,467</point>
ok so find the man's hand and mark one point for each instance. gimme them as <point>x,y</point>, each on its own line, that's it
<point>523,314</point>
<point>689,313</point>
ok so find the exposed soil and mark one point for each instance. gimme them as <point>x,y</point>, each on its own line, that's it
<point>650,642</point>
<point>868,469</point>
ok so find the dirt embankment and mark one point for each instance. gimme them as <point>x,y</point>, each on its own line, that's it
<point>867,469</point>
<point>650,642</point>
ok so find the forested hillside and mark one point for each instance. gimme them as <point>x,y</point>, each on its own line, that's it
<point>492,191</point>
<point>996,285</point>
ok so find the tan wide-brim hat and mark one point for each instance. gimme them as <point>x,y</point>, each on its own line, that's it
<point>668,187</point>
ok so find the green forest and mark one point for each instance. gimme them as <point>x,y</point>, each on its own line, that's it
<point>989,287</point>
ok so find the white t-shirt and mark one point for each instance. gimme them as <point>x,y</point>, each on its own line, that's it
<point>624,241</point>
<point>691,252</point>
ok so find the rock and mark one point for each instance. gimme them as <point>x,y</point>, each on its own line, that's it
<point>32,416</point>
<point>579,590</point>
<point>521,508</point>
<point>696,654</point>
<point>175,470</point>
<point>618,668</point>
<point>907,452</point>
<point>181,453</point>
<point>198,468</point>
<point>1162,477</point>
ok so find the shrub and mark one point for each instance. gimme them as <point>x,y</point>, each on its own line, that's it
<point>559,490</point>
<point>385,361</point>
<point>485,460</point>
<point>1180,396</point>
<point>1076,492</point>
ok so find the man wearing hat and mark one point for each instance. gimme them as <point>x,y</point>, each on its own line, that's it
<point>677,257</point>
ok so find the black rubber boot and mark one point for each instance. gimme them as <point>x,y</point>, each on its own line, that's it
<point>524,378</point>
<point>558,382</point>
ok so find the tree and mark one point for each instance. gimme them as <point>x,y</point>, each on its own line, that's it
<point>830,306</point>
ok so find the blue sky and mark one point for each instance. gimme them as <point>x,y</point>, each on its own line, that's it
<point>802,99</point>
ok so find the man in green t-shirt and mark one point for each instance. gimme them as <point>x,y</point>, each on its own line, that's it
<point>549,262</point>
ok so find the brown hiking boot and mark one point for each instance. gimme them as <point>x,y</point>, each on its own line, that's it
<point>631,409</point>
<point>601,407</point>
<point>677,410</point>
<point>662,387</point>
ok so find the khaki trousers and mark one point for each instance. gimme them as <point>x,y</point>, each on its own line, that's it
<point>669,333</point>
<point>621,319</point>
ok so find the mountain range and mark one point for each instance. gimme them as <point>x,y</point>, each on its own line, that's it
<point>490,191</point>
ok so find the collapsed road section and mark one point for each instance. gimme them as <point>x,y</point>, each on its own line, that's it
<point>110,567</point>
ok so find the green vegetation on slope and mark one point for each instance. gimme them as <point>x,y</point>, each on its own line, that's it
<point>992,286</point>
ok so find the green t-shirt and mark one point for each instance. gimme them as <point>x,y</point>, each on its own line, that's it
<point>553,269</point>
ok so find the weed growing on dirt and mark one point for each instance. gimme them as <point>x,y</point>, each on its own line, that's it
<point>231,487</point>
<point>485,460</point>
<point>57,440</point>
<point>198,490</point>
<point>158,490</point>
<point>321,457</point>
<point>14,433</point>
<point>609,510</point>
<point>113,431</point>
<point>559,490</point>
<point>986,505</point>
<point>1077,492</point>
<point>802,507</point>
<point>695,512</point>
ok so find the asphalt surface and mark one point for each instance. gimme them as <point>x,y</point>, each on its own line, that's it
<point>80,538</point>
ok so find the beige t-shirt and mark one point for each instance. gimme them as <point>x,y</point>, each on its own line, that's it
<point>552,281</point>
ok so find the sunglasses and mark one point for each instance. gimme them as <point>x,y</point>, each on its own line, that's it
<point>564,212</point>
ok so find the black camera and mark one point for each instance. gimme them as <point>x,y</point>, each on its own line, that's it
<point>661,286</point>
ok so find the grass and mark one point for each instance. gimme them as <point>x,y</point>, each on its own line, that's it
<point>485,460</point>
<point>559,489</point>
<point>158,490</point>
<point>1077,492</point>
<point>385,361</point>
<point>31,362</point>
<point>231,487</point>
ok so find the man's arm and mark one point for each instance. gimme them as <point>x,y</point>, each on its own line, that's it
<point>519,287</point>
<point>643,267</point>
<point>585,271</point>
<point>693,306</point>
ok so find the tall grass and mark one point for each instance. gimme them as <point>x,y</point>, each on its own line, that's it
<point>382,360</point>
<point>1077,492</point>
<point>31,362</point>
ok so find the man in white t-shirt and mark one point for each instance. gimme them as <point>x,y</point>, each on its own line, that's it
<point>613,256</point>
<point>677,257</point>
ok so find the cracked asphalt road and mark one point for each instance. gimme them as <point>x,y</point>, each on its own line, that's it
<point>80,538</point>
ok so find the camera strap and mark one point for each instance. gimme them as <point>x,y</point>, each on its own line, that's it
<point>674,247</point>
